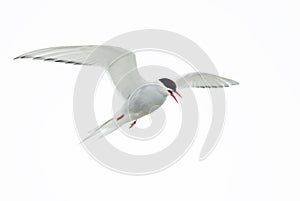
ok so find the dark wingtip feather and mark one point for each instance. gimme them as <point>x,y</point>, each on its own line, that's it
<point>50,59</point>
<point>60,61</point>
<point>20,57</point>
<point>235,83</point>
<point>38,58</point>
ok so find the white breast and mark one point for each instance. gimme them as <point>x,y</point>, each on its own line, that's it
<point>145,100</point>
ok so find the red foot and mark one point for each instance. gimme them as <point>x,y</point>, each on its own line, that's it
<point>120,117</point>
<point>132,124</point>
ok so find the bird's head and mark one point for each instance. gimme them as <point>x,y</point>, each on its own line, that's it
<point>170,86</point>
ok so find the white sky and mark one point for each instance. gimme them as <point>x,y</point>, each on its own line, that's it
<point>254,42</point>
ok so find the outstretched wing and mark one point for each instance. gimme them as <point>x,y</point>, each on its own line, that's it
<point>120,63</point>
<point>204,80</point>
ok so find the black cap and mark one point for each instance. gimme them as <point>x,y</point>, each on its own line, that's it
<point>168,83</point>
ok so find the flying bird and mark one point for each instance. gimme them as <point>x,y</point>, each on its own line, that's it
<point>141,97</point>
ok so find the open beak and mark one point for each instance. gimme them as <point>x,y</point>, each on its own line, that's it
<point>178,94</point>
<point>172,94</point>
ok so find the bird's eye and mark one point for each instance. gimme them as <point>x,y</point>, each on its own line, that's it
<point>170,91</point>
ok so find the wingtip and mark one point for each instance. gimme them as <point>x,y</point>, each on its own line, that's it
<point>236,83</point>
<point>233,82</point>
<point>21,57</point>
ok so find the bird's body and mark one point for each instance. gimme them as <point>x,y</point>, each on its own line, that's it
<point>145,100</point>
<point>140,96</point>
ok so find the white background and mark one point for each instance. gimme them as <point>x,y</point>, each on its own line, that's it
<point>254,42</point>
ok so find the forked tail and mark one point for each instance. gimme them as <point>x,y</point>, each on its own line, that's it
<point>106,128</point>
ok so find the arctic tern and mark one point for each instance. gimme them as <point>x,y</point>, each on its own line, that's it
<point>140,96</point>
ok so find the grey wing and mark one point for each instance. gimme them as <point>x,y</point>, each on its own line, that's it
<point>204,80</point>
<point>120,63</point>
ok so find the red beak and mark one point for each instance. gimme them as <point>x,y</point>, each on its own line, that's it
<point>178,94</point>
<point>172,94</point>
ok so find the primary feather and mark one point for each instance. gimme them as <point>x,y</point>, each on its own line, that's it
<point>204,80</point>
<point>120,63</point>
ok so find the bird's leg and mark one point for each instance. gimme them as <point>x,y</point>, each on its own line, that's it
<point>132,124</point>
<point>120,117</point>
